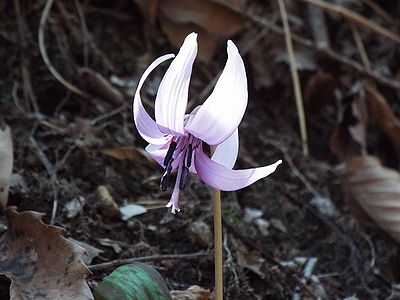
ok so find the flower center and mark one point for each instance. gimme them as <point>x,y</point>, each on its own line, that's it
<point>179,156</point>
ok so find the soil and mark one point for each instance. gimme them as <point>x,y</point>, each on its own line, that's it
<point>58,137</point>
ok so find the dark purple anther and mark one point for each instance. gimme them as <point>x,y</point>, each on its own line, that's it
<point>165,178</point>
<point>170,151</point>
<point>189,156</point>
<point>184,180</point>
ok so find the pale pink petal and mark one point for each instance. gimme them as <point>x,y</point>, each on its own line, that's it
<point>157,152</point>
<point>226,153</point>
<point>173,92</point>
<point>222,178</point>
<point>145,125</point>
<point>222,112</point>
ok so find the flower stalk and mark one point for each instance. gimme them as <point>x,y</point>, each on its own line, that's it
<point>218,258</point>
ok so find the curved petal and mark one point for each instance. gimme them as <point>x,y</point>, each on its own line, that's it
<point>157,152</point>
<point>145,124</point>
<point>226,153</point>
<point>222,112</point>
<point>173,92</point>
<point>219,177</point>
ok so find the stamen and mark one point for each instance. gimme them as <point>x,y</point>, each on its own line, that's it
<point>170,151</point>
<point>184,180</point>
<point>189,156</point>
<point>167,173</point>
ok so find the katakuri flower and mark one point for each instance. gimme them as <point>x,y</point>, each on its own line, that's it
<point>176,138</point>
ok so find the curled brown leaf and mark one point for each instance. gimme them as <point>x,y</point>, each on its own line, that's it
<point>376,189</point>
<point>40,262</point>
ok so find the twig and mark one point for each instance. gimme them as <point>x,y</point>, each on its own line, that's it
<point>26,76</point>
<point>316,18</point>
<point>251,244</point>
<point>295,77</point>
<point>42,48</point>
<point>119,262</point>
<point>52,174</point>
<point>361,48</point>
<point>379,11</point>
<point>356,19</point>
<point>85,35</point>
<point>325,52</point>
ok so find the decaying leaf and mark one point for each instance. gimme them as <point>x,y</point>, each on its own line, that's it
<point>383,116</point>
<point>6,163</point>
<point>349,137</point>
<point>40,262</point>
<point>320,90</point>
<point>178,18</point>
<point>128,153</point>
<point>192,293</point>
<point>376,189</point>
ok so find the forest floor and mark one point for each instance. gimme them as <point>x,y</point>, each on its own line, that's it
<point>289,235</point>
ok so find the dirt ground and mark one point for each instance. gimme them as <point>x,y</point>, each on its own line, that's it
<point>291,235</point>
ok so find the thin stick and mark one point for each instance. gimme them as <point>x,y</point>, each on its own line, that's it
<point>42,48</point>
<point>219,283</point>
<point>361,48</point>
<point>323,52</point>
<point>119,262</point>
<point>356,19</point>
<point>295,77</point>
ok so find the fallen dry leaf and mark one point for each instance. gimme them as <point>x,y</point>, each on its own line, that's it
<point>376,189</point>
<point>40,262</point>
<point>383,115</point>
<point>128,153</point>
<point>6,163</point>
<point>212,20</point>
<point>350,135</point>
<point>320,90</point>
<point>192,293</point>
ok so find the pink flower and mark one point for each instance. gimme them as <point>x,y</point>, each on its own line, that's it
<point>176,138</point>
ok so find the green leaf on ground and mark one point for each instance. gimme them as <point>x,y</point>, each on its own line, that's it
<point>136,281</point>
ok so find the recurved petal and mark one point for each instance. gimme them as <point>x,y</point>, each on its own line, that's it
<point>157,152</point>
<point>145,125</point>
<point>172,95</point>
<point>226,153</point>
<point>222,178</point>
<point>222,112</point>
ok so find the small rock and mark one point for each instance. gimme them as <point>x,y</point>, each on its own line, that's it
<point>201,233</point>
<point>74,207</point>
<point>250,214</point>
<point>130,210</point>
<point>106,202</point>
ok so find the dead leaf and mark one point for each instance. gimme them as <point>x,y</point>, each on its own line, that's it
<point>320,90</point>
<point>90,251</point>
<point>41,263</point>
<point>213,21</point>
<point>176,33</point>
<point>214,18</point>
<point>252,261</point>
<point>376,189</point>
<point>84,133</point>
<point>128,153</point>
<point>192,293</point>
<point>115,245</point>
<point>350,135</point>
<point>6,163</point>
<point>383,115</point>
